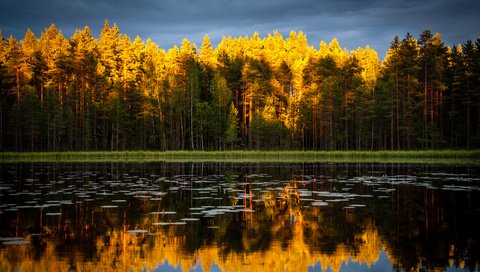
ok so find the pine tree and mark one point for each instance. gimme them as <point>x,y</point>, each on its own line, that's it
<point>267,92</point>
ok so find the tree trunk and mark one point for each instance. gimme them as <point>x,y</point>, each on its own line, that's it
<point>346,128</point>
<point>391,123</point>
<point>397,117</point>
<point>191,117</point>
<point>330,125</point>
<point>17,123</point>
<point>250,118</point>
<point>409,117</point>
<point>468,122</point>
<point>425,112</point>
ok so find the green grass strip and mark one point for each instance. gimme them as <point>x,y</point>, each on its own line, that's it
<point>237,156</point>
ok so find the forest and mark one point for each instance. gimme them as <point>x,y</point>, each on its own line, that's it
<point>247,93</point>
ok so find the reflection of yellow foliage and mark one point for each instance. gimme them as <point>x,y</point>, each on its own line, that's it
<point>125,252</point>
<point>117,250</point>
<point>370,248</point>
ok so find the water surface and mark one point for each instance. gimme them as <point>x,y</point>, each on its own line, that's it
<point>239,217</point>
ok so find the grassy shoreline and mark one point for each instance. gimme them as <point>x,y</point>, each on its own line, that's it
<point>407,156</point>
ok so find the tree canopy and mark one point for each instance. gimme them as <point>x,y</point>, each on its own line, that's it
<point>252,92</point>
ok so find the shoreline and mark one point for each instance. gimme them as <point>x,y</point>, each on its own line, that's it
<point>240,156</point>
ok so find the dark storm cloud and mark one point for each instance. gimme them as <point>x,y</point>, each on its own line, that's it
<point>354,22</point>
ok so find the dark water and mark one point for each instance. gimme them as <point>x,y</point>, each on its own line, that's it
<point>231,217</point>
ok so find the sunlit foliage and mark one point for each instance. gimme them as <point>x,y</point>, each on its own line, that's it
<point>252,92</point>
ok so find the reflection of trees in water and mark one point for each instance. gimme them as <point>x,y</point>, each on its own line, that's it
<point>431,228</point>
<point>418,228</point>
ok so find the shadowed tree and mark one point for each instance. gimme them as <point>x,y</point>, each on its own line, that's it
<point>273,92</point>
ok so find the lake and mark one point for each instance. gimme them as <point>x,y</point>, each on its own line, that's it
<point>239,217</point>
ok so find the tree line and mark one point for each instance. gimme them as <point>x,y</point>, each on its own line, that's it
<point>114,93</point>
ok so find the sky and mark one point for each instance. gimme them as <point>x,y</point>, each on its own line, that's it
<point>355,23</point>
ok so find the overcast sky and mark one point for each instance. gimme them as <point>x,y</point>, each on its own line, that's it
<point>353,22</point>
